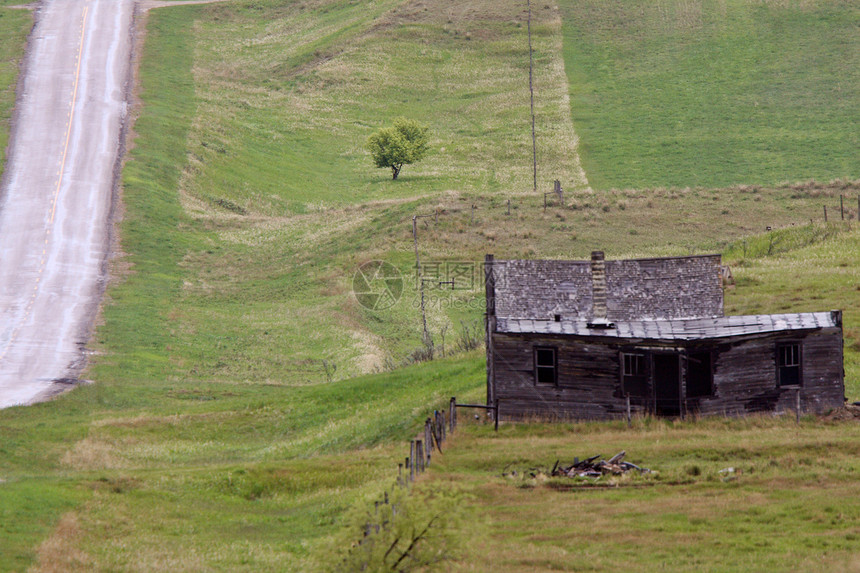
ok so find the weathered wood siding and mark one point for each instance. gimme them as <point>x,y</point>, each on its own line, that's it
<point>745,375</point>
<point>588,378</point>
<point>823,371</point>
<point>589,375</point>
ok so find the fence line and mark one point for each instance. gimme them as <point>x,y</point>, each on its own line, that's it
<point>437,428</point>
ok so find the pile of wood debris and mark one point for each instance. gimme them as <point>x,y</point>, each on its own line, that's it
<point>595,467</point>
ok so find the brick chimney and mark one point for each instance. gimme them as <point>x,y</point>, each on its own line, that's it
<point>598,292</point>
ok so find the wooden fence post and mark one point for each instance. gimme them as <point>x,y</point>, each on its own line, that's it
<point>452,414</point>
<point>841,207</point>
<point>825,213</point>
<point>410,461</point>
<point>428,437</point>
<point>419,455</point>
<point>438,428</point>
<point>496,409</point>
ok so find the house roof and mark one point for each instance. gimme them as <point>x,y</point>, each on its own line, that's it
<point>635,289</point>
<point>678,329</point>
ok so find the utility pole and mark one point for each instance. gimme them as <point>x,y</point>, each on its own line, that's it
<point>532,92</point>
<point>426,334</point>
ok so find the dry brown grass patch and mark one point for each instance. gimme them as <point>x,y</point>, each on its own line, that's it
<point>59,553</point>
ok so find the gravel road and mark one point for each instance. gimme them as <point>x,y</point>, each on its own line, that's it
<point>56,198</point>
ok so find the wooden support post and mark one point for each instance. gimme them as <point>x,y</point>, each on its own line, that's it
<point>797,404</point>
<point>629,423</point>
<point>410,461</point>
<point>841,207</point>
<point>452,414</point>
<point>496,410</point>
<point>400,474</point>
<point>825,213</point>
<point>509,207</point>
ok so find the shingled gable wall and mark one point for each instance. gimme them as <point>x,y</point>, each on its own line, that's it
<point>659,288</point>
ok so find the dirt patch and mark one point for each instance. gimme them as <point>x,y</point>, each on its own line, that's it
<point>849,412</point>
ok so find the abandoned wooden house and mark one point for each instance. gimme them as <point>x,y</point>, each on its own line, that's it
<point>577,339</point>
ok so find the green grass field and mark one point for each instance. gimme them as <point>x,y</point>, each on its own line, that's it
<point>687,93</point>
<point>245,405</point>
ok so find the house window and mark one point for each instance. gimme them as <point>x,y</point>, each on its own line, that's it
<point>634,374</point>
<point>634,364</point>
<point>788,364</point>
<point>546,365</point>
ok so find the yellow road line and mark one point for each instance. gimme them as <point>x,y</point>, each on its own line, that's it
<point>60,173</point>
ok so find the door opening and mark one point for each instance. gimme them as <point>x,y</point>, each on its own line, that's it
<point>667,384</point>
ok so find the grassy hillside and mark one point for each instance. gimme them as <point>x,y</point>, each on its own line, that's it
<point>289,92</point>
<point>228,409</point>
<point>726,495</point>
<point>262,472</point>
<point>15,24</point>
<point>713,93</point>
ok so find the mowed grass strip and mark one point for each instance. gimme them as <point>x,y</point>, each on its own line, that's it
<point>686,93</point>
<point>15,24</point>
<point>725,495</point>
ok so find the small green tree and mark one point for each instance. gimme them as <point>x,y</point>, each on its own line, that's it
<point>394,147</point>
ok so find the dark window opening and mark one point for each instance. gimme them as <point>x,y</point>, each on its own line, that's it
<point>634,375</point>
<point>546,366</point>
<point>700,377</point>
<point>634,364</point>
<point>558,318</point>
<point>788,364</point>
